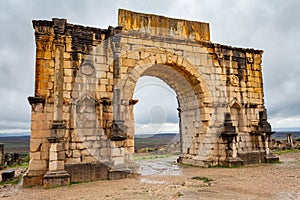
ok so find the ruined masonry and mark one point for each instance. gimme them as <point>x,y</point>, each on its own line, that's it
<point>82,124</point>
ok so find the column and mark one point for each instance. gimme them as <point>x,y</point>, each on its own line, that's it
<point>57,176</point>
<point>118,126</point>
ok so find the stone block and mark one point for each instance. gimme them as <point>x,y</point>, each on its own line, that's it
<point>118,160</point>
<point>56,178</point>
<point>38,165</point>
<point>68,72</point>
<point>45,145</point>
<point>130,149</point>
<point>39,129</point>
<point>53,155</point>
<point>105,152</point>
<point>129,142</point>
<point>76,153</point>
<point>56,165</point>
<point>44,155</point>
<point>96,144</point>
<point>61,155</point>
<point>68,64</point>
<point>73,160</point>
<point>89,159</point>
<point>35,155</point>
<point>55,147</point>
<point>29,181</point>
<point>80,146</point>
<point>85,153</point>
<point>117,152</point>
<point>35,145</point>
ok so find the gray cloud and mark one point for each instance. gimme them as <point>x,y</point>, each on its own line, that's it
<point>157,102</point>
<point>271,25</point>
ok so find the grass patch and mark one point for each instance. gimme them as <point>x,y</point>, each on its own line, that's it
<point>149,157</point>
<point>24,164</point>
<point>13,181</point>
<point>223,166</point>
<point>280,152</point>
<point>74,182</point>
<point>14,166</point>
<point>202,178</point>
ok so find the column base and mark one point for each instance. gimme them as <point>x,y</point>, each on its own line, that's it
<point>230,162</point>
<point>56,178</point>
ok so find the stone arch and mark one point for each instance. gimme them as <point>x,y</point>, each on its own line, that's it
<point>157,57</point>
<point>192,92</point>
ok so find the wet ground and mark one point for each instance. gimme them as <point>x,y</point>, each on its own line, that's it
<point>163,179</point>
<point>160,166</point>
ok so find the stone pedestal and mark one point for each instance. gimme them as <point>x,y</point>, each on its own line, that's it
<point>229,135</point>
<point>128,170</point>
<point>230,162</point>
<point>56,178</point>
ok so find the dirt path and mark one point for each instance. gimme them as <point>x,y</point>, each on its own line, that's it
<point>165,180</point>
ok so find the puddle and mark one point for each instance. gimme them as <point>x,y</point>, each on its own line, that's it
<point>164,166</point>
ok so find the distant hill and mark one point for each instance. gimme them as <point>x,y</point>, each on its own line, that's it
<point>20,143</point>
<point>155,140</point>
<point>15,144</point>
<point>283,134</point>
<point>14,134</point>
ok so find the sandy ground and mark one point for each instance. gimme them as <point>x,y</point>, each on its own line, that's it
<point>163,179</point>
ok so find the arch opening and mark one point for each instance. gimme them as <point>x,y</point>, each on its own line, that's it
<point>193,122</point>
<point>156,116</point>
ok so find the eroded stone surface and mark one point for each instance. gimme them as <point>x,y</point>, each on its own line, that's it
<point>82,110</point>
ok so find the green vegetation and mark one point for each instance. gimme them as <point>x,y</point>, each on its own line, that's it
<point>75,182</point>
<point>202,178</point>
<point>155,141</point>
<point>280,152</point>
<point>222,166</point>
<point>24,164</point>
<point>149,156</point>
<point>13,181</point>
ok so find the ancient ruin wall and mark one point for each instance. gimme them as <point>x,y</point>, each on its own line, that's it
<point>82,124</point>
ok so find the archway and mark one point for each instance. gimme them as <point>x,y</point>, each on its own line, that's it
<point>192,94</point>
<point>156,117</point>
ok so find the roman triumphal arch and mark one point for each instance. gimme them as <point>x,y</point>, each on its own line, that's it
<point>82,124</point>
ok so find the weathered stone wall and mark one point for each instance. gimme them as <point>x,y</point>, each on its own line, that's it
<point>82,111</point>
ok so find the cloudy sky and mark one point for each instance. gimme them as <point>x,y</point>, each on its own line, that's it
<point>271,25</point>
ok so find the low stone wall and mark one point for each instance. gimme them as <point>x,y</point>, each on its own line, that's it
<point>83,172</point>
<point>253,157</point>
<point>87,172</point>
